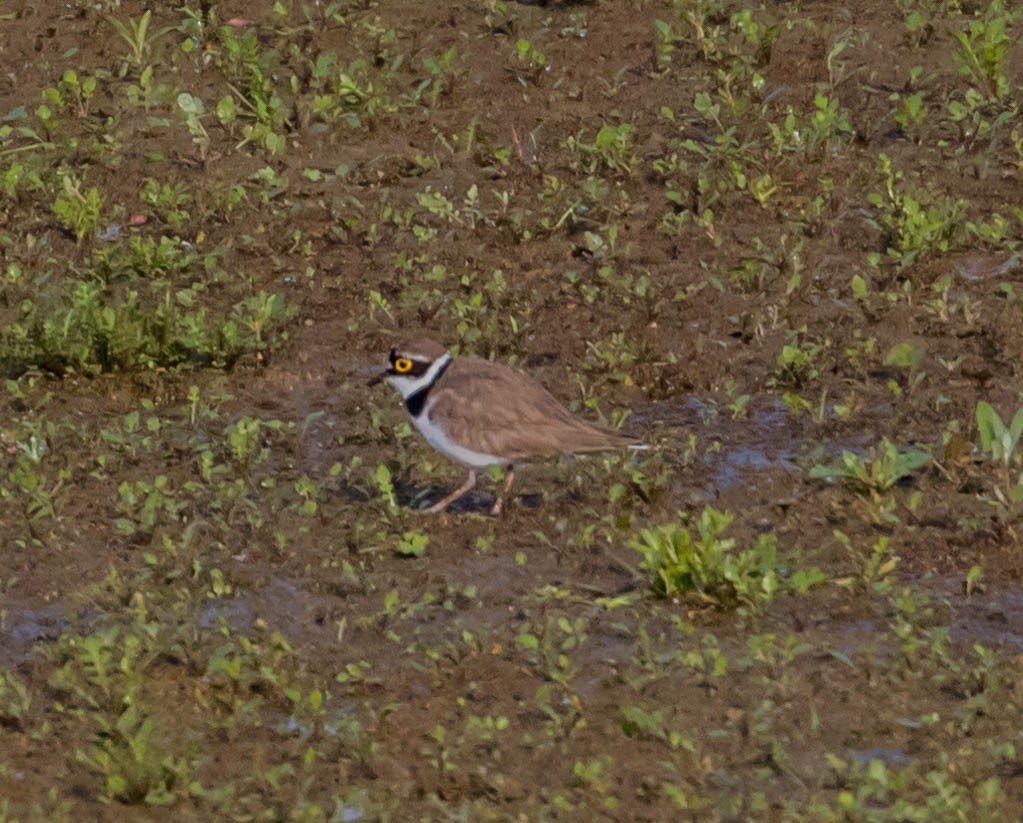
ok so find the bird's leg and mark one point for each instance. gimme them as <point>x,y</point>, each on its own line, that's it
<point>496,510</point>
<point>470,481</point>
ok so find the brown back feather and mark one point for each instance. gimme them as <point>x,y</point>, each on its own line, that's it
<point>493,408</point>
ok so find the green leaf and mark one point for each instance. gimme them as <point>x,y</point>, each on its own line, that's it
<point>859,287</point>
<point>190,104</point>
<point>988,424</point>
<point>1016,427</point>
<point>412,544</point>
<point>904,355</point>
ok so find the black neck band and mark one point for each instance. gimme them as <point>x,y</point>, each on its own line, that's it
<point>417,401</point>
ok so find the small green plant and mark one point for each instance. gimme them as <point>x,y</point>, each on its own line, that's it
<point>881,469</point>
<point>385,487</point>
<point>135,765</point>
<point>167,201</point>
<point>996,438</point>
<point>146,505</point>
<point>85,326</point>
<point>72,93</point>
<point>797,364</point>
<point>138,37</point>
<point>610,150</point>
<point>18,178</point>
<point>251,69</point>
<point>665,41</point>
<point>873,571</point>
<point>192,110</point>
<point>441,70</point>
<point>412,544</point>
<point>983,52</point>
<point>1001,441</point>
<point>549,644</point>
<point>530,62</point>
<point>350,93</point>
<point>911,227</point>
<point>910,113</point>
<point>884,793</point>
<point>15,700</point>
<point>262,315</point>
<point>708,565</point>
<point>826,126</point>
<point>30,485</point>
<point>243,438</point>
<point>79,211</point>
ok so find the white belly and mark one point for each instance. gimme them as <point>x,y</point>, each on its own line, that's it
<point>439,440</point>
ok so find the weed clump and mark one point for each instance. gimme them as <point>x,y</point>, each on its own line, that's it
<point>702,563</point>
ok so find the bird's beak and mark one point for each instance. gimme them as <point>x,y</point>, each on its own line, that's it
<point>378,378</point>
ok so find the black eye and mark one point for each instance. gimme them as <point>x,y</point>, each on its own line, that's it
<point>402,365</point>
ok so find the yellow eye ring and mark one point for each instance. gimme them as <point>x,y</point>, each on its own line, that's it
<point>402,365</point>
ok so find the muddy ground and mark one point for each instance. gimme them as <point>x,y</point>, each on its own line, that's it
<point>778,243</point>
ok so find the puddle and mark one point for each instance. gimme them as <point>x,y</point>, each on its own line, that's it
<point>973,267</point>
<point>23,628</point>
<point>890,757</point>
<point>280,602</point>
<point>768,438</point>
<point>992,619</point>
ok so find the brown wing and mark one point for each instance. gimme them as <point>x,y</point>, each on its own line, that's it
<point>499,410</point>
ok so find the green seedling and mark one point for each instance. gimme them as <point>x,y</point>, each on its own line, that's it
<point>441,80</point>
<point>412,544</point>
<point>983,51</point>
<point>879,471</point>
<point>996,438</point>
<point>167,201</point>
<point>913,227</point>
<point>15,700</point>
<point>148,92</point>
<point>797,364</point>
<point>146,505</point>
<point>19,179</point>
<point>262,314</point>
<point>79,211</point>
<point>973,582</point>
<point>530,62</point>
<point>71,93</point>
<point>138,37</point>
<point>549,644</point>
<point>665,41</point>
<point>902,794</point>
<point>385,487</point>
<point>134,763</point>
<point>40,496</point>
<point>192,110</point>
<point>874,570</point>
<point>243,438</point>
<point>826,126</point>
<point>910,113</point>
<point>1001,441</point>
<point>611,149</point>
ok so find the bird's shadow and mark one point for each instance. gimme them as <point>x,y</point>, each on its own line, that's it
<point>477,501</point>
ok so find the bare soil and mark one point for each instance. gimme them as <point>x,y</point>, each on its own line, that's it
<point>433,704</point>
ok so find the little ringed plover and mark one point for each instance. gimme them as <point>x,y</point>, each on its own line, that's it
<point>480,414</point>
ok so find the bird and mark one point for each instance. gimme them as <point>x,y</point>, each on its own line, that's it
<point>480,413</point>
